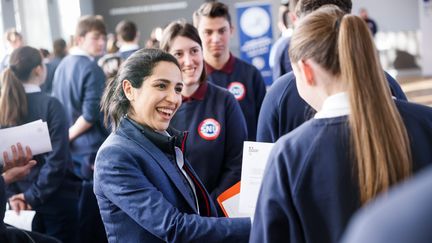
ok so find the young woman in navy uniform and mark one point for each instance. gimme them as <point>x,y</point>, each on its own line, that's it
<point>210,114</point>
<point>146,190</point>
<point>50,189</point>
<point>360,143</point>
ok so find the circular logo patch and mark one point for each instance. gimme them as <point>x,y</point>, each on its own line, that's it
<point>237,89</point>
<point>209,129</point>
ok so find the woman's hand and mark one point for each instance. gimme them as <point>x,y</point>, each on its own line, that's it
<point>18,203</point>
<point>19,166</point>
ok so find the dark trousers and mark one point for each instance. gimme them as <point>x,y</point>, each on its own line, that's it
<point>58,219</point>
<point>91,226</point>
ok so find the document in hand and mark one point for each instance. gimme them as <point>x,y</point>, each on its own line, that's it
<point>34,134</point>
<point>240,199</point>
<point>23,220</point>
<point>255,156</point>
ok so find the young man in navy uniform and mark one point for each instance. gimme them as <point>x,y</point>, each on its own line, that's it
<point>213,22</point>
<point>78,84</point>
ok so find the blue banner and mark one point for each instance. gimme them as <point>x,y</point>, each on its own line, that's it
<point>254,24</point>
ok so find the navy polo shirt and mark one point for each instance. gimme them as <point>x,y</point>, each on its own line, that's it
<point>217,130</point>
<point>245,82</point>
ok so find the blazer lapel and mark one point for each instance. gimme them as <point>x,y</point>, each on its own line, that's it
<point>170,168</point>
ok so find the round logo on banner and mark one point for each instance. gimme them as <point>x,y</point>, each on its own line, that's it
<point>255,22</point>
<point>258,62</point>
<point>209,129</point>
<point>237,89</point>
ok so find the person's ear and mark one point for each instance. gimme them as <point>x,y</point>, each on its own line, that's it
<point>307,72</point>
<point>79,40</point>
<point>39,70</point>
<point>292,17</point>
<point>128,90</point>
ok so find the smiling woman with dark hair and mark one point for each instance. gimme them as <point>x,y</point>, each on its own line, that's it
<point>146,189</point>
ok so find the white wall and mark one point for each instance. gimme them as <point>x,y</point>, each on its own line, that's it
<point>35,23</point>
<point>391,15</point>
<point>426,36</point>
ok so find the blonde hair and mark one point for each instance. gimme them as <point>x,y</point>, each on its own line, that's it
<point>342,44</point>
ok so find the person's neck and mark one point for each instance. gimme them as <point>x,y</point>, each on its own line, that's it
<point>332,85</point>
<point>217,62</point>
<point>189,90</point>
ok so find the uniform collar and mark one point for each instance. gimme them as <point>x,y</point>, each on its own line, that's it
<point>334,106</point>
<point>199,94</point>
<point>128,47</point>
<point>76,51</point>
<point>228,68</point>
<point>31,88</point>
<point>166,143</point>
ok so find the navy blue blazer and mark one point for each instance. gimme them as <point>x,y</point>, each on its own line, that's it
<point>143,197</point>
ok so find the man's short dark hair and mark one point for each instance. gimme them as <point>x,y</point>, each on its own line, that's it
<point>211,10</point>
<point>127,30</point>
<point>90,23</point>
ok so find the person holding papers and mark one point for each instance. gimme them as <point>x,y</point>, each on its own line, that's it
<point>50,188</point>
<point>146,190</point>
<point>359,144</point>
<point>210,114</point>
<point>16,168</point>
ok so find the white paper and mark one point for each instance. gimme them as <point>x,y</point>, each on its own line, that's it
<point>231,207</point>
<point>255,156</point>
<point>23,220</point>
<point>34,134</point>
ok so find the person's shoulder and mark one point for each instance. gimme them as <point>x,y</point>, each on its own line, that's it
<point>283,82</point>
<point>307,133</point>
<point>383,220</point>
<point>243,65</point>
<point>76,62</point>
<point>282,86</point>
<point>414,110</point>
<point>298,137</point>
<point>291,148</point>
<point>115,143</point>
<point>41,98</point>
